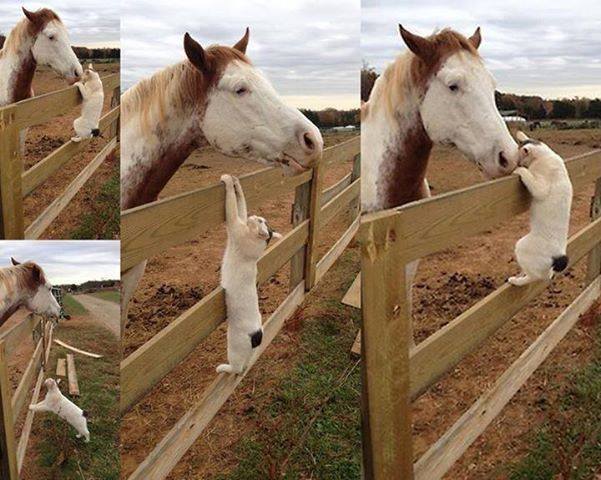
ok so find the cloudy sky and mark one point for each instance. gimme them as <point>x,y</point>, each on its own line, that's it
<point>91,23</point>
<point>67,261</point>
<point>538,47</point>
<point>309,49</point>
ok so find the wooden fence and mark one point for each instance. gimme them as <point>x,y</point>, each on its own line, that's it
<point>12,405</point>
<point>150,229</point>
<point>15,183</point>
<point>395,374</point>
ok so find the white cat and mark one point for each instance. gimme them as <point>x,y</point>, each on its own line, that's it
<point>90,86</point>
<point>542,252</point>
<point>57,403</point>
<point>247,239</point>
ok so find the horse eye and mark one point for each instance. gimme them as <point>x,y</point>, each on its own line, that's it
<point>454,87</point>
<point>241,91</point>
<point>51,37</point>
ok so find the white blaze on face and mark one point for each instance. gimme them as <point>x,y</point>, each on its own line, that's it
<point>52,48</point>
<point>245,117</point>
<point>43,302</point>
<point>459,108</point>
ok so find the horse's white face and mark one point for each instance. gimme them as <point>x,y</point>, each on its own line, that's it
<point>459,108</point>
<point>245,117</point>
<point>43,302</point>
<point>52,48</point>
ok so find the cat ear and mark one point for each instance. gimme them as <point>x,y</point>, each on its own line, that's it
<point>521,136</point>
<point>277,235</point>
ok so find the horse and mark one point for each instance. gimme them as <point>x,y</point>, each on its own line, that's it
<point>25,285</point>
<point>438,92</point>
<point>215,96</point>
<point>38,39</point>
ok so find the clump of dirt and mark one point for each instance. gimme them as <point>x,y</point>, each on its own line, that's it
<point>165,303</point>
<point>448,297</point>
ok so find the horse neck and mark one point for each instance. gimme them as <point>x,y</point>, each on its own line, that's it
<point>397,148</point>
<point>17,68</point>
<point>155,157</point>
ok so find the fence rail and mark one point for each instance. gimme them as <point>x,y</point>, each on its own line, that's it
<point>394,373</point>
<point>150,229</point>
<point>12,452</point>
<point>15,183</point>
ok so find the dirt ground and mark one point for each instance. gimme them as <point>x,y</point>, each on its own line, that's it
<point>42,139</point>
<point>447,284</point>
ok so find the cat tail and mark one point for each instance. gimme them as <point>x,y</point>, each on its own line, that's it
<point>256,338</point>
<point>560,263</point>
<point>85,413</point>
<point>96,132</point>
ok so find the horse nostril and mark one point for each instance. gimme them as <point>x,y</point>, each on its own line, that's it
<point>503,160</point>
<point>308,141</point>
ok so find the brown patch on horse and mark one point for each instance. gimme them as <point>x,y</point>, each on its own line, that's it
<point>404,182</point>
<point>19,282</point>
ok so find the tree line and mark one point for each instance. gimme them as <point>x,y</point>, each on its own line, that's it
<point>331,117</point>
<point>85,52</point>
<point>531,107</point>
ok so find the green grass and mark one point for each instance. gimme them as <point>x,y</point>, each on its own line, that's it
<point>568,445</point>
<point>72,306</point>
<point>310,427</point>
<point>103,221</point>
<point>109,295</point>
<point>59,453</point>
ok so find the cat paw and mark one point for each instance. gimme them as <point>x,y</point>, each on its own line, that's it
<point>514,281</point>
<point>227,179</point>
<point>520,171</point>
<point>224,368</point>
<point>76,139</point>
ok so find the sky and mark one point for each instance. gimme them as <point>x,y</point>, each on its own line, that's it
<point>66,261</point>
<point>551,49</point>
<point>309,49</point>
<point>91,23</point>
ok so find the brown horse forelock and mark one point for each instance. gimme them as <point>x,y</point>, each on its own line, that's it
<point>404,182</point>
<point>23,277</point>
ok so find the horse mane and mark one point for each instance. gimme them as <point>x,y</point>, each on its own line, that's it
<point>182,84</point>
<point>22,275</point>
<point>408,75</point>
<point>25,29</point>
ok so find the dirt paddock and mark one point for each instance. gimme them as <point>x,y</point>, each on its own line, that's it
<point>447,284</point>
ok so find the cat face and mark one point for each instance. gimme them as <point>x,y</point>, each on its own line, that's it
<point>530,149</point>
<point>260,229</point>
<point>90,74</point>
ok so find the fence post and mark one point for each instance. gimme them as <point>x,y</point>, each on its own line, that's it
<point>314,214</point>
<point>594,258</point>
<point>300,212</point>
<point>8,451</point>
<point>11,192</point>
<point>386,339</point>
<point>115,100</point>
<point>355,205</point>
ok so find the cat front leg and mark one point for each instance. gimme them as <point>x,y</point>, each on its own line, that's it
<point>538,187</point>
<point>231,203</point>
<point>521,280</point>
<point>242,213</point>
<point>40,407</point>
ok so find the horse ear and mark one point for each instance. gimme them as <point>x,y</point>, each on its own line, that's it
<point>14,262</point>
<point>36,273</point>
<point>243,42</point>
<point>31,16</point>
<point>422,47</point>
<point>195,53</point>
<point>476,38</point>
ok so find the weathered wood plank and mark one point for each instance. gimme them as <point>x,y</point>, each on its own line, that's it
<point>26,431</point>
<point>385,359</point>
<point>72,376</point>
<point>300,213</point>
<point>594,259</point>
<point>352,297</point>
<point>19,333</point>
<point>42,170</point>
<point>440,352</point>
<point>314,222</point>
<point>356,348</point>
<point>8,452</point>
<point>448,449</point>
<point>29,375</point>
<point>335,189</point>
<point>61,367</point>
<point>326,262</point>
<point>433,224</point>
<point>141,370</point>
<point>339,203</point>
<point>43,221</point>
<point>182,436</point>
<point>11,202</point>
<point>43,108</point>
<point>77,350</point>
<point>342,152</point>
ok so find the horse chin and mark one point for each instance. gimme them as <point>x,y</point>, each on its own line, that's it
<point>72,80</point>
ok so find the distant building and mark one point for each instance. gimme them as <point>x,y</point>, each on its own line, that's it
<point>514,119</point>
<point>348,128</point>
